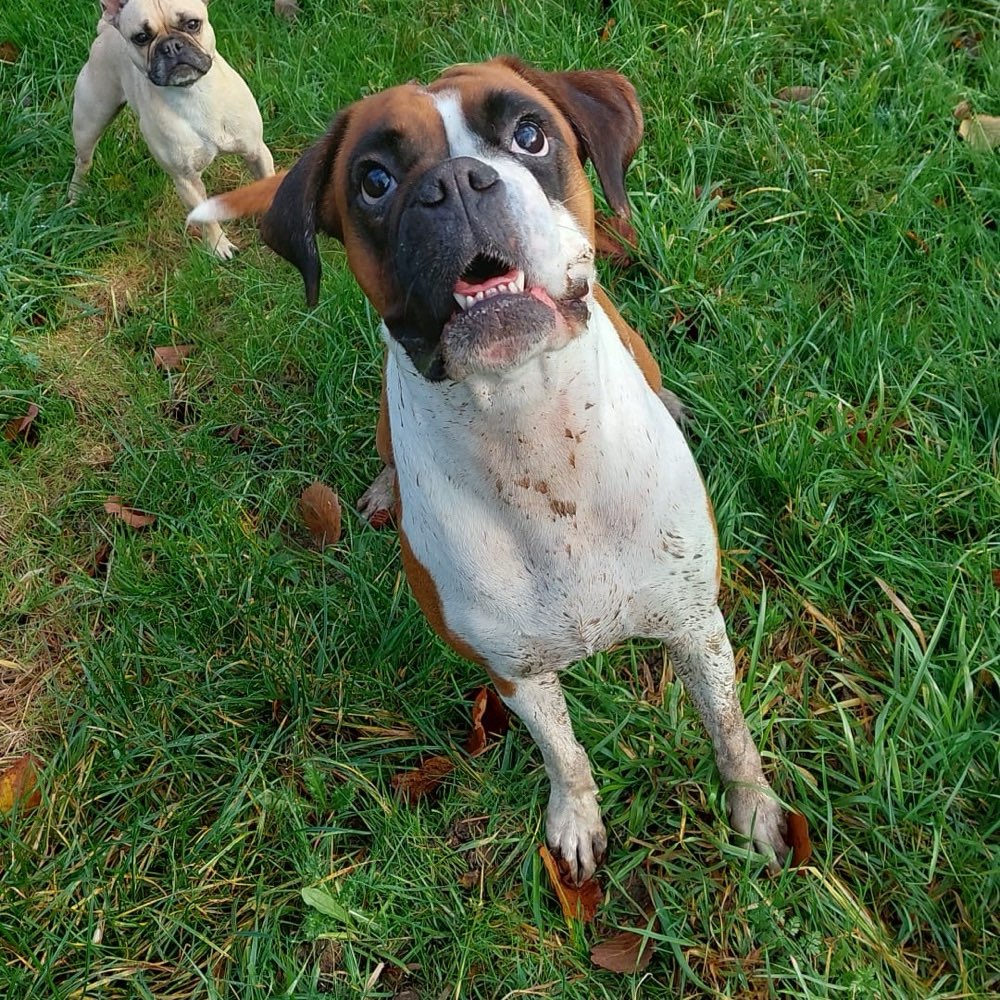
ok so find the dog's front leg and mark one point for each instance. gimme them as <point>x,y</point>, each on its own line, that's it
<point>703,657</point>
<point>573,821</point>
<point>192,193</point>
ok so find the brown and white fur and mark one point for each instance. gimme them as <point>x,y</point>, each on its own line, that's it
<point>548,505</point>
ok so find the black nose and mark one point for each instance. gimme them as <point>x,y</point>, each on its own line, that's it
<point>171,46</point>
<point>452,179</point>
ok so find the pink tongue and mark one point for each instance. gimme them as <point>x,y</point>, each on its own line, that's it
<point>467,288</point>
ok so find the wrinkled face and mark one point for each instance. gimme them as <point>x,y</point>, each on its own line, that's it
<point>171,41</point>
<point>467,220</point>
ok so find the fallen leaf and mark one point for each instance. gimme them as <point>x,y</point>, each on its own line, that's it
<point>605,33</point>
<point>98,564</point>
<point>9,52</point>
<point>132,517</point>
<point>797,836</point>
<point>18,785</point>
<point>996,578</point>
<point>900,605</point>
<point>489,719</point>
<point>412,786</point>
<point>962,110</point>
<point>969,43</point>
<point>797,95</point>
<point>20,427</point>
<point>169,358</point>
<point>321,511</point>
<point>625,952</point>
<point>981,132</point>
<point>920,242</point>
<point>578,902</point>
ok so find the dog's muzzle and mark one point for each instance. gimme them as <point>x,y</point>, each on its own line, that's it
<point>176,62</point>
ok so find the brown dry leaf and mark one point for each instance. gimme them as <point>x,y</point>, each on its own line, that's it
<point>412,786</point>
<point>996,578</point>
<point>605,33</point>
<point>321,511</point>
<point>918,240</point>
<point>578,902</point>
<point>169,357</point>
<point>962,110</point>
<point>20,427</point>
<point>489,719</point>
<point>19,785</point>
<point>900,605</point>
<point>797,836</point>
<point>132,517</point>
<point>625,952</point>
<point>981,132</point>
<point>9,52</point>
<point>797,95</point>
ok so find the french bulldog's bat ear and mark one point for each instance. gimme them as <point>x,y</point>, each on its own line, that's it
<point>305,204</point>
<point>111,9</point>
<point>603,109</point>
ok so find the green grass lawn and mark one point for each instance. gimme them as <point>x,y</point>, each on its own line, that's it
<point>219,708</point>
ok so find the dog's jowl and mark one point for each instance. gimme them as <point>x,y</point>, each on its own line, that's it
<point>548,505</point>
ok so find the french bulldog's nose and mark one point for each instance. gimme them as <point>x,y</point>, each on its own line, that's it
<point>171,46</point>
<point>451,179</point>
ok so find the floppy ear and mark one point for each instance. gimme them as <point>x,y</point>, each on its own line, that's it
<point>305,204</point>
<point>603,109</point>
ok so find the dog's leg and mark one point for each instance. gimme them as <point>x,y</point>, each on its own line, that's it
<point>192,193</point>
<point>260,162</point>
<point>703,657</point>
<point>96,101</point>
<point>573,824</point>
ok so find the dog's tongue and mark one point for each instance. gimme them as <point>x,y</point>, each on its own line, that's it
<point>464,287</point>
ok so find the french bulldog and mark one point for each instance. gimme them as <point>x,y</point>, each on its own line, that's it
<point>159,57</point>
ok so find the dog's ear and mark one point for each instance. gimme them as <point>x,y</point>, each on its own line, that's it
<point>303,205</point>
<point>112,9</point>
<point>603,109</point>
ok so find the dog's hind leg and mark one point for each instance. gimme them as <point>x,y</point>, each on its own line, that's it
<point>702,656</point>
<point>96,101</point>
<point>573,824</point>
<point>260,162</point>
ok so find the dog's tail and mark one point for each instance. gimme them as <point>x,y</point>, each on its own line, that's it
<point>254,199</point>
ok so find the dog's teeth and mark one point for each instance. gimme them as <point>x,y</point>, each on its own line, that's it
<point>518,283</point>
<point>490,292</point>
<point>479,296</point>
<point>462,301</point>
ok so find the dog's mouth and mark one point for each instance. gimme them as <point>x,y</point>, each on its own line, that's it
<point>501,319</point>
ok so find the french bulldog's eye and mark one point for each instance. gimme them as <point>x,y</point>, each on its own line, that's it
<point>530,139</point>
<point>142,38</point>
<point>376,184</point>
<point>193,25</point>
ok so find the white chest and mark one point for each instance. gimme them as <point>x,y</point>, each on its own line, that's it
<point>557,510</point>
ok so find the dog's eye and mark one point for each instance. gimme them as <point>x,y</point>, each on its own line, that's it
<point>142,38</point>
<point>376,184</point>
<point>530,139</point>
<point>193,25</point>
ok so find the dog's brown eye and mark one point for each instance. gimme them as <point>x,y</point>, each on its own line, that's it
<point>142,38</point>
<point>193,25</point>
<point>376,184</point>
<point>529,138</point>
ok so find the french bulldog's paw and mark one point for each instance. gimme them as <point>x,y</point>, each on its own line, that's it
<point>575,832</point>
<point>378,503</point>
<point>224,248</point>
<point>674,406</point>
<point>756,814</point>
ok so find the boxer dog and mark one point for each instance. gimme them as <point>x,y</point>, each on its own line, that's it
<point>548,505</point>
<point>159,57</point>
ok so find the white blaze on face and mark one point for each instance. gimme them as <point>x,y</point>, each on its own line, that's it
<point>559,253</point>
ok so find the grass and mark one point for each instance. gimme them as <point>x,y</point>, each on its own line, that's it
<point>219,708</point>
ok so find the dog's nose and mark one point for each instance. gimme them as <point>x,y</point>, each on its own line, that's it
<point>450,179</point>
<point>171,46</point>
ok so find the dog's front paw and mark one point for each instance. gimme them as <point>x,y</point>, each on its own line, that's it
<point>224,248</point>
<point>575,832</point>
<point>378,503</point>
<point>755,813</point>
